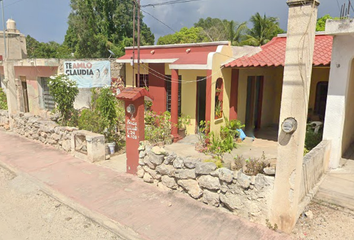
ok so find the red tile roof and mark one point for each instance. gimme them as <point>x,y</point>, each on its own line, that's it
<point>273,54</point>
<point>176,54</point>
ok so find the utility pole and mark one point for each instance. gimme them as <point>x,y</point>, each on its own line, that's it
<point>134,10</point>
<point>138,85</point>
<point>3,24</point>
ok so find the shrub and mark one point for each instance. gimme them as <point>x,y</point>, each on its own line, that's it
<point>217,161</point>
<point>250,166</point>
<point>3,99</point>
<point>64,92</point>
<point>312,139</point>
<point>158,127</point>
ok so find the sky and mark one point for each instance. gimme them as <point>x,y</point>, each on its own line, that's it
<point>46,20</point>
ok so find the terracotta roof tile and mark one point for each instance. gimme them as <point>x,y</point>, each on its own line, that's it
<point>273,53</point>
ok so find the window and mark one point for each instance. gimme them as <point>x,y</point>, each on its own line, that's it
<point>168,93</point>
<point>321,99</point>
<point>46,100</point>
<point>144,80</point>
<point>219,95</point>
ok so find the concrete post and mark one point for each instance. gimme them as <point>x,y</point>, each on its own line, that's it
<point>294,104</point>
<point>11,88</point>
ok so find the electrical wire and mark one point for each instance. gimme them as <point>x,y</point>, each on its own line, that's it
<point>158,20</point>
<point>169,3</point>
<point>163,77</point>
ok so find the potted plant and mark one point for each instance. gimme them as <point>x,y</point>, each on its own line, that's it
<point>183,122</point>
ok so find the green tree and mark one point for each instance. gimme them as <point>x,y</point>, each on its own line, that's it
<point>264,29</point>
<point>98,25</point>
<point>36,49</point>
<point>321,22</point>
<point>216,29</point>
<point>185,35</point>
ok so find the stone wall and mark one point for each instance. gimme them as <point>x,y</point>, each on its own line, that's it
<point>82,144</point>
<point>45,131</point>
<point>247,196</point>
<point>314,167</point>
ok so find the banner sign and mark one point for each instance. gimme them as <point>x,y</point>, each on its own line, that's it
<point>89,74</point>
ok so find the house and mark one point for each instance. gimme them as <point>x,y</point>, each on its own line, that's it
<point>260,79</point>
<point>187,79</point>
<point>339,124</point>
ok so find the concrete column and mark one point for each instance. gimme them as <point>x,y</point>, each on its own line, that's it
<point>294,104</point>
<point>174,102</point>
<point>11,88</point>
<point>157,87</point>
<point>208,96</point>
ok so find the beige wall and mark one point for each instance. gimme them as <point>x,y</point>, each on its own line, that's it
<point>273,78</point>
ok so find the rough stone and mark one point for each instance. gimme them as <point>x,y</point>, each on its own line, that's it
<point>215,173</point>
<point>169,182</point>
<point>55,136</point>
<point>185,173</point>
<point>148,178</point>
<point>192,187</point>
<point>224,188</point>
<point>178,162</point>
<point>260,182</point>
<point>147,162</point>
<point>166,170</point>
<point>226,175</point>
<point>66,144</point>
<point>162,187</point>
<point>141,162</point>
<point>191,162</point>
<point>211,198</point>
<point>140,172</point>
<point>142,154</point>
<point>243,180</point>
<point>158,151</point>
<point>231,201</point>
<point>155,159</point>
<point>204,168</point>
<point>170,158</point>
<point>35,136</point>
<point>152,172</point>
<point>209,182</point>
<point>235,189</point>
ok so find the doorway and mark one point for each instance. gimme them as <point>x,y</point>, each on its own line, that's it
<point>24,95</point>
<point>201,101</point>
<point>254,104</point>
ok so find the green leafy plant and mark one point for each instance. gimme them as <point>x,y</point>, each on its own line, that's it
<point>64,92</point>
<point>312,138</point>
<point>231,128</point>
<point>158,127</point>
<point>217,161</point>
<point>3,99</point>
<point>105,116</point>
<point>183,121</point>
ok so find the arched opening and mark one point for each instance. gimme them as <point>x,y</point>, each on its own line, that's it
<point>219,94</point>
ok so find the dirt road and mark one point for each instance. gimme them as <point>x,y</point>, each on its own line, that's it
<point>28,213</point>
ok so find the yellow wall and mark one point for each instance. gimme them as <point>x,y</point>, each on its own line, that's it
<point>217,72</point>
<point>129,72</point>
<point>318,75</point>
<point>273,78</point>
<point>189,95</point>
